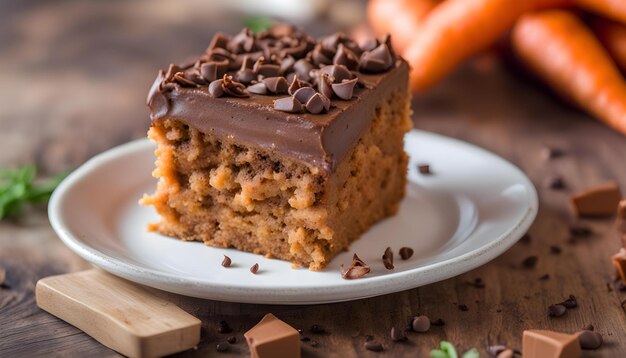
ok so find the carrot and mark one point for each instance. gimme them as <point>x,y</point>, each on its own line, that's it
<point>400,18</point>
<point>614,9</point>
<point>457,29</point>
<point>564,52</point>
<point>613,36</point>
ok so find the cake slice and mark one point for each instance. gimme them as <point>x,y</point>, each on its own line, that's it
<point>279,144</point>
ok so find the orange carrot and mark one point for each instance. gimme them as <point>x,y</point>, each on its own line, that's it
<point>613,36</point>
<point>564,52</point>
<point>614,9</point>
<point>457,29</point>
<point>400,18</point>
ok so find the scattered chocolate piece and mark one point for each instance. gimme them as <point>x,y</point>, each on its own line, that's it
<point>526,239</point>
<point>405,253</point>
<point>555,250</point>
<point>507,353</point>
<point>420,324</point>
<point>580,231</point>
<point>588,327</point>
<point>621,286</point>
<point>551,153</point>
<point>245,75</point>
<point>388,259</point>
<point>544,277</point>
<point>314,343</point>
<point>268,70</point>
<point>495,349</point>
<point>317,329</point>
<point>305,339</point>
<point>549,344</point>
<point>258,88</point>
<point>556,183</point>
<point>598,201</point>
<point>530,262</point>
<point>357,269</point>
<point>570,302</point>
<point>288,104</point>
<point>344,89</point>
<point>272,337</point>
<point>424,169</point>
<point>223,327</point>
<point>254,269</point>
<point>398,335</point>
<point>478,283</point>
<point>619,261</point>
<point>589,339</point>
<point>438,322</point>
<point>463,307</point>
<point>374,346</point>
<point>215,89</point>
<point>231,340</point>
<point>222,347</point>
<point>227,261</point>
<point>556,310</point>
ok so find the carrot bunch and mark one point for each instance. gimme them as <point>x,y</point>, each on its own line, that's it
<point>580,61</point>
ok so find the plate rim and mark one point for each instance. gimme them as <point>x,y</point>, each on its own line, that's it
<point>348,291</point>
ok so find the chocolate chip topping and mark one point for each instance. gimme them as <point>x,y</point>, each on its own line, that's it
<point>215,89</point>
<point>324,85</point>
<point>258,88</point>
<point>344,89</point>
<point>233,88</point>
<point>304,94</point>
<point>315,104</point>
<point>288,104</point>
<point>346,57</point>
<point>376,60</point>
<point>277,85</point>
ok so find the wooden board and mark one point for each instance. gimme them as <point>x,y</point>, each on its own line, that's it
<point>123,316</point>
<point>77,85</point>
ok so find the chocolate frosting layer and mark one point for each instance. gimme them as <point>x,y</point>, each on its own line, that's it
<point>321,135</point>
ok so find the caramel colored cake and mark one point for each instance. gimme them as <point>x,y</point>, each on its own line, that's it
<point>279,144</point>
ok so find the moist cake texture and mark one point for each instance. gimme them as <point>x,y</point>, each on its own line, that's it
<point>279,144</point>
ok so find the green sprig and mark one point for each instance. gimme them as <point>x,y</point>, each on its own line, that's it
<point>19,188</point>
<point>258,24</point>
<point>447,350</point>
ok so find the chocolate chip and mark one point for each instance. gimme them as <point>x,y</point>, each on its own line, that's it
<point>317,329</point>
<point>580,231</point>
<point>304,94</point>
<point>286,65</point>
<point>478,283</point>
<point>357,269</point>
<point>233,88</point>
<point>321,55</point>
<point>257,88</point>
<point>245,76</point>
<point>215,89</point>
<point>368,44</point>
<point>589,340</point>
<point>324,85</point>
<point>222,347</point>
<point>555,250</point>
<point>376,60</point>
<point>294,86</point>
<point>278,85</point>
<point>346,57</point>
<point>556,183</point>
<point>254,269</point>
<point>544,277</point>
<point>219,40</point>
<point>288,104</point>
<point>530,262</point>
<point>588,327</point>
<point>226,262</point>
<point>556,310</point>
<point>268,70</point>
<point>388,259</point>
<point>424,169</point>
<point>315,104</point>
<point>179,78</point>
<point>314,343</point>
<point>344,89</point>
<point>570,302</point>
<point>438,322</point>
<point>398,335</point>
<point>463,308</point>
<point>496,349</point>
<point>420,324</point>
<point>337,73</point>
<point>303,68</point>
<point>374,346</point>
<point>525,239</point>
<point>223,327</point>
<point>405,253</point>
<point>231,340</point>
<point>220,54</point>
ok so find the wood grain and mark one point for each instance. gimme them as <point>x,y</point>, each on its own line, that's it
<point>76,85</point>
<point>125,317</point>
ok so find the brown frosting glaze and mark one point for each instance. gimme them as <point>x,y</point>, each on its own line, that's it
<point>320,139</point>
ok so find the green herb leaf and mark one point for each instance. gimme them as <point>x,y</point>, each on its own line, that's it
<point>446,350</point>
<point>258,24</point>
<point>472,353</point>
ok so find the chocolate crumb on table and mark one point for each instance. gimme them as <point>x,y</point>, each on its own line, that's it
<point>254,269</point>
<point>405,253</point>
<point>424,169</point>
<point>227,261</point>
<point>388,259</point>
<point>589,339</point>
<point>556,183</point>
<point>420,324</point>
<point>556,310</point>
<point>374,346</point>
<point>398,335</point>
<point>530,262</point>
<point>223,327</point>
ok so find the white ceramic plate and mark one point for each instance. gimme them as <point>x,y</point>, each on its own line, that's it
<point>472,208</point>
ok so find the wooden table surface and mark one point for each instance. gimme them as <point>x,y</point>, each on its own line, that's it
<point>74,80</point>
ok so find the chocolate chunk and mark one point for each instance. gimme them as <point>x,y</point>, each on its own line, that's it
<point>215,88</point>
<point>346,57</point>
<point>438,322</point>
<point>317,329</point>
<point>321,55</point>
<point>398,335</point>
<point>374,346</point>
<point>288,104</point>
<point>598,201</point>
<point>219,40</point>
<point>368,44</point>
<point>549,344</point>
<point>222,347</point>
<point>336,73</point>
<point>315,104</point>
<point>619,261</point>
<point>332,41</point>
<point>544,277</point>
<point>231,340</point>
<point>556,310</point>
<point>556,183</point>
<point>286,65</point>
<point>257,88</point>
<point>213,70</point>
<point>344,89</point>
<point>272,337</point>
<point>223,327</point>
<point>388,258</point>
<point>589,339</point>
<point>555,250</point>
<point>530,262</point>
<point>570,302</point>
<point>233,88</point>
<point>220,54</point>
<point>304,94</point>
<point>463,308</point>
<point>405,253</point>
<point>376,60</point>
<point>254,269</point>
<point>356,270</point>
<point>314,343</point>
<point>277,85</point>
<point>496,349</point>
<point>303,68</point>
<point>420,324</point>
<point>424,169</point>
<point>478,283</point>
<point>324,85</point>
<point>245,76</point>
<point>294,86</point>
<point>580,231</point>
<point>193,75</point>
<point>242,42</point>
<point>226,262</point>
